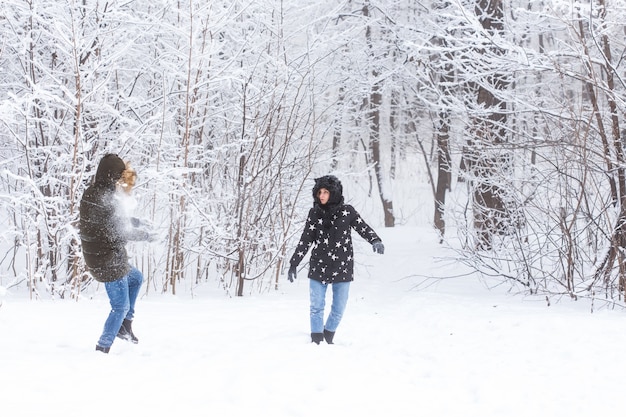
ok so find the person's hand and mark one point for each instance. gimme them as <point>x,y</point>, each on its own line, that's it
<point>291,275</point>
<point>147,236</point>
<point>142,223</point>
<point>378,247</point>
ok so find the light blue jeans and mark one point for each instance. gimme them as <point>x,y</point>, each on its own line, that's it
<point>122,296</point>
<point>317,292</point>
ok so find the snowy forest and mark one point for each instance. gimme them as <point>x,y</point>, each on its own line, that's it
<point>508,113</point>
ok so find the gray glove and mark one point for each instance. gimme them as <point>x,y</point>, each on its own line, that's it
<point>291,275</point>
<point>151,236</point>
<point>378,247</point>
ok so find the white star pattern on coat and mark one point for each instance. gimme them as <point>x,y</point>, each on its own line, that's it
<point>331,249</point>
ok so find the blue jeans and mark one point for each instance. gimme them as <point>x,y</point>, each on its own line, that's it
<point>122,296</point>
<point>317,292</point>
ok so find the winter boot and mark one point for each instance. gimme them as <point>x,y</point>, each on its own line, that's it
<point>126,332</point>
<point>102,349</point>
<point>317,337</point>
<point>328,336</point>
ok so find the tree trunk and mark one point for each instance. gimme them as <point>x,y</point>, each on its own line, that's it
<point>443,72</point>
<point>443,171</point>
<point>375,102</point>
<point>337,128</point>
<point>489,130</point>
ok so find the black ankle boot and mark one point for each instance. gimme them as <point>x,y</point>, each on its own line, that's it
<point>317,337</point>
<point>102,349</point>
<point>328,336</point>
<point>126,332</point>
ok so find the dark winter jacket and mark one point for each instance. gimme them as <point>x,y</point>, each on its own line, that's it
<point>327,229</point>
<point>104,230</point>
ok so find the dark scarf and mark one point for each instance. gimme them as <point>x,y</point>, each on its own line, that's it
<point>327,212</point>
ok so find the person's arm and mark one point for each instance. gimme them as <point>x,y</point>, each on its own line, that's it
<point>367,232</point>
<point>309,234</point>
<point>306,239</point>
<point>140,231</point>
<point>133,228</point>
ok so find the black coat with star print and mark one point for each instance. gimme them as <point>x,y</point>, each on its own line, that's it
<point>328,231</point>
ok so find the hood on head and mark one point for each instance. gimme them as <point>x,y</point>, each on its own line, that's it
<point>333,185</point>
<point>109,170</point>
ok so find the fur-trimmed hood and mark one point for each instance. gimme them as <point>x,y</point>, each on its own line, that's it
<point>333,185</point>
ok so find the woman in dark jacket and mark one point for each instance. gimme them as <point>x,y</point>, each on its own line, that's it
<point>104,232</point>
<point>328,230</point>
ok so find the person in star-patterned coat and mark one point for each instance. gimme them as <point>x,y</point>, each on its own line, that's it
<point>328,231</point>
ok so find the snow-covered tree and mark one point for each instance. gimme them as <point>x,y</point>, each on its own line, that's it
<point>227,109</point>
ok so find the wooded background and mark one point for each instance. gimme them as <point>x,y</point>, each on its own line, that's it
<point>228,109</point>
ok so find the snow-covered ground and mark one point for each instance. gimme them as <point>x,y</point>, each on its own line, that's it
<point>408,346</point>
